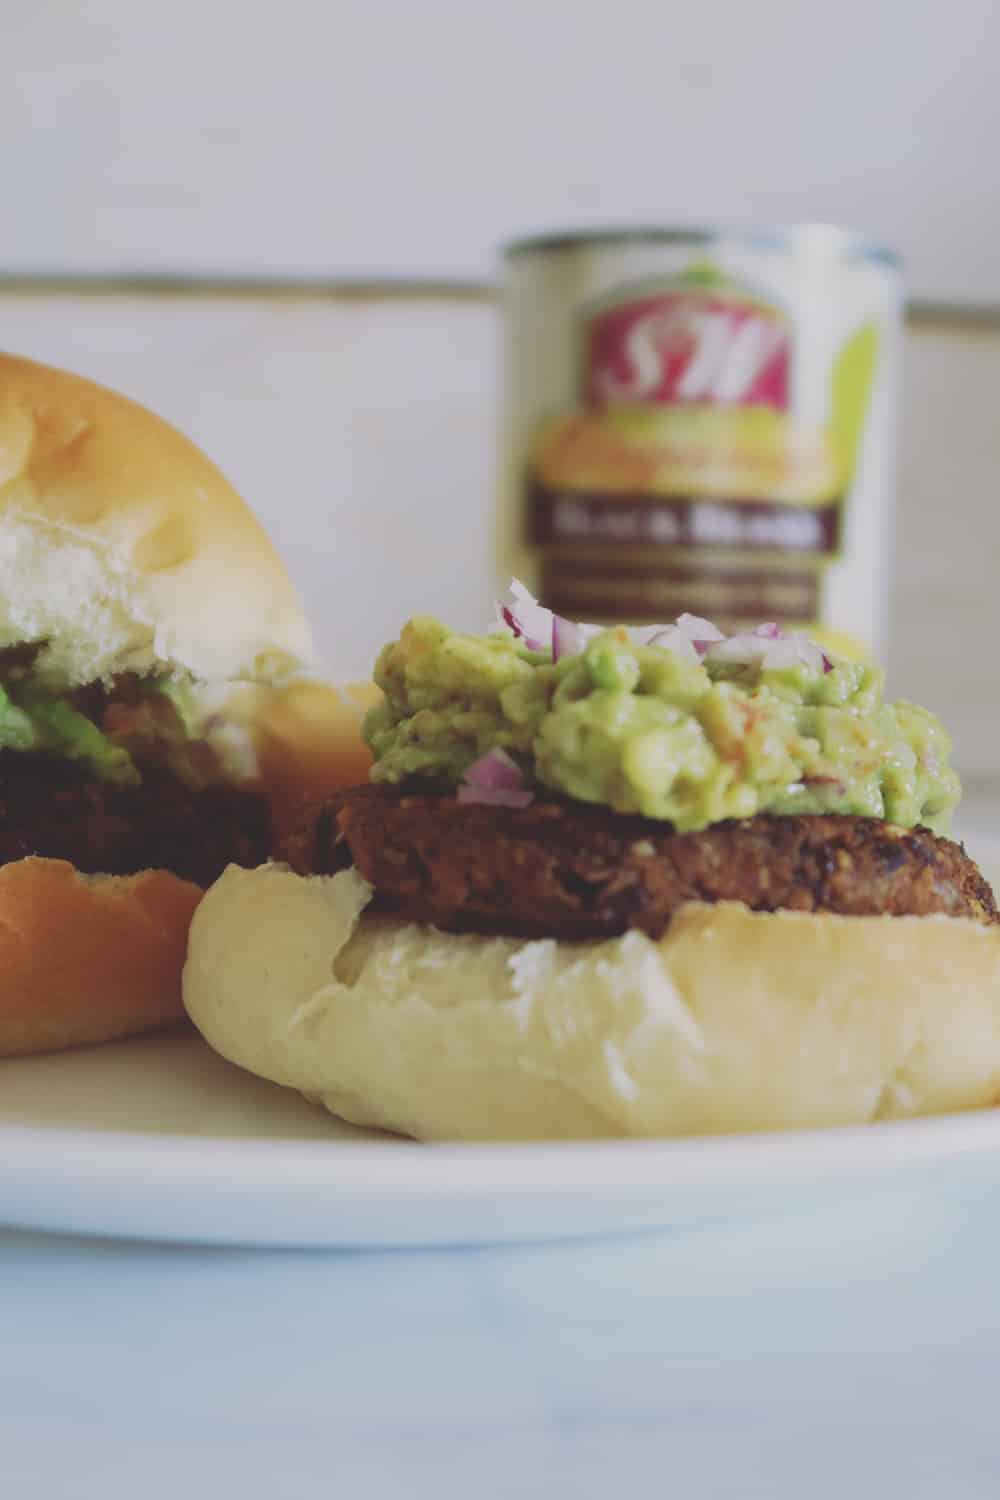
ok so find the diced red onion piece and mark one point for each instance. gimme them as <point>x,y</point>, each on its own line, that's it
<point>672,638</point>
<point>567,639</point>
<point>690,636</point>
<point>773,653</point>
<point>506,617</point>
<point>496,796</point>
<point>813,654</point>
<point>495,771</point>
<point>782,654</point>
<point>539,628</point>
<point>700,632</point>
<point>739,650</point>
<point>793,651</point>
<point>516,626</point>
<point>532,620</point>
<point>495,779</point>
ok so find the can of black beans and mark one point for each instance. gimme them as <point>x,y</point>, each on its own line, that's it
<point>702,421</point>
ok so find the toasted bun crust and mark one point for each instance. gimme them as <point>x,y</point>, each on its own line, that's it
<point>734,1021</point>
<point>125,548</point>
<point>88,958</point>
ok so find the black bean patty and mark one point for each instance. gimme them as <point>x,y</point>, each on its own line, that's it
<point>567,870</point>
<point>50,807</point>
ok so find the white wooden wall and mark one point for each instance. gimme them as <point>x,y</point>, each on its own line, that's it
<point>407,137</point>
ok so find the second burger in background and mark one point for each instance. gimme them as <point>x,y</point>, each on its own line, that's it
<point>147,632</point>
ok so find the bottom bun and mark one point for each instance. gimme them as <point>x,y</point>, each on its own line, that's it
<point>88,958</point>
<point>734,1021</point>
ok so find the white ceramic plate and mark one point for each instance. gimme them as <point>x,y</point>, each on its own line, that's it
<point>161,1139</point>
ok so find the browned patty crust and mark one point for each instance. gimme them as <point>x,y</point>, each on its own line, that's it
<point>49,806</point>
<point>567,870</point>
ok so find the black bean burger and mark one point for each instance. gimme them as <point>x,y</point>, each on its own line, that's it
<point>617,882</point>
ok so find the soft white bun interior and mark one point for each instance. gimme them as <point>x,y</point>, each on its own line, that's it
<point>734,1021</point>
<point>124,548</point>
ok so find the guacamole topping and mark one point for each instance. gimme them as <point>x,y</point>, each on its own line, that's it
<point>114,732</point>
<point>38,721</point>
<point>672,722</point>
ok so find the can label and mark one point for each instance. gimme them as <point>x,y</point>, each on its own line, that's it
<point>686,344</point>
<point>705,456</point>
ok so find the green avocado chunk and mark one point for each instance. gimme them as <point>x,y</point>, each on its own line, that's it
<point>642,729</point>
<point>53,726</point>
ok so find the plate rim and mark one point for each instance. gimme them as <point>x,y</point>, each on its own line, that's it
<point>416,1169</point>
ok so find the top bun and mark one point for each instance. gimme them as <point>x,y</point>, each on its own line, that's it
<point>124,549</point>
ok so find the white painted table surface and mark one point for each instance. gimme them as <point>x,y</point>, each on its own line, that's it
<point>843,1349</point>
<point>844,1346</point>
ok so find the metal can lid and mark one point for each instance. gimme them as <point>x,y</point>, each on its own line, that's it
<point>828,239</point>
